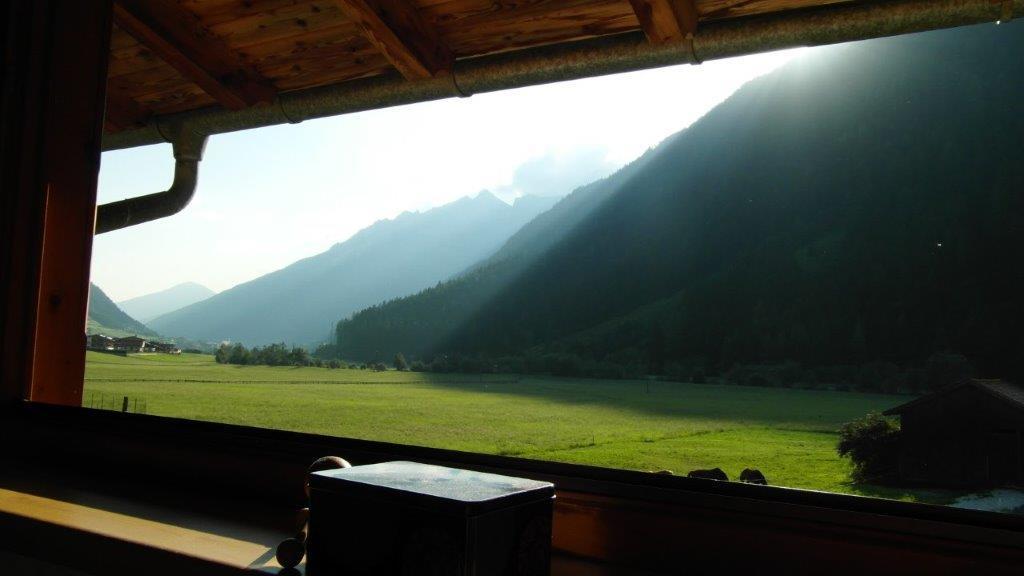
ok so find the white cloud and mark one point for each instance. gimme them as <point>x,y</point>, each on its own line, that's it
<point>557,174</point>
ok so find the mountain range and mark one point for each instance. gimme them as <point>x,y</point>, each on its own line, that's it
<point>149,306</point>
<point>861,203</point>
<point>300,303</point>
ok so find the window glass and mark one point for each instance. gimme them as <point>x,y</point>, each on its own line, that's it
<point>799,268</point>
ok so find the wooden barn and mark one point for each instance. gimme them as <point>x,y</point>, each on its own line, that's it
<point>86,491</point>
<point>131,344</point>
<point>968,434</point>
<point>99,342</point>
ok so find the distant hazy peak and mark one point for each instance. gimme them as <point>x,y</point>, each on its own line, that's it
<point>150,306</point>
<point>488,196</point>
<point>190,284</point>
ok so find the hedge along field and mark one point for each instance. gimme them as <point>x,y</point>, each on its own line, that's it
<point>788,434</point>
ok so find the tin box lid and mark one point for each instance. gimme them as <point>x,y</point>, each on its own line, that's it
<point>454,490</point>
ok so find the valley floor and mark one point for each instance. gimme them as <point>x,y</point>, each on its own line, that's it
<point>790,435</point>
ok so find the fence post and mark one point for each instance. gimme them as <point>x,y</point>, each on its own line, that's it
<point>124,405</point>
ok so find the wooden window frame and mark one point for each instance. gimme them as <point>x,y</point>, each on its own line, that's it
<point>53,110</point>
<point>620,517</point>
<point>54,91</point>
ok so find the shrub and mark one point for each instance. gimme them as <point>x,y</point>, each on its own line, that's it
<point>872,444</point>
<point>335,364</point>
<point>400,364</point>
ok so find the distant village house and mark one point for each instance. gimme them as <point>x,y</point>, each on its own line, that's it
<point>163,348</point>
<point>968,434</point>
<point>129,344</point>
<point>99,342</point>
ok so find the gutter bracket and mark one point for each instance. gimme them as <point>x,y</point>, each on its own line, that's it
<point>188,153</point>
<point>694,59</point>
<point>284,113</point>
<point>455,84</point>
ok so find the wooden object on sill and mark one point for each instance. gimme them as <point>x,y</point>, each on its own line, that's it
<point>410,518</point>
<point>291,550</point>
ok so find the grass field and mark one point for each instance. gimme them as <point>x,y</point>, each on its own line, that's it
<point>788,434</point>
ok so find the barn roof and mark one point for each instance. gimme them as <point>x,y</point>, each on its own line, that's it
<point>174,57</point>
<point>1009,392</point>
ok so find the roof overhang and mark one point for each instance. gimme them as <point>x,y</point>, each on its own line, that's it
<point>422,63</point>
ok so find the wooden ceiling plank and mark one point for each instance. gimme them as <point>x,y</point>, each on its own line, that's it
<point>166,30</point>
<point>122,112</point>
<point>295,22</point>
<point>573,20</point>
<point>401,34</point>
<point>666,20</point>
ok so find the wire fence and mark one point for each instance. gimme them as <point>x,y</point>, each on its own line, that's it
<point>116,402</point>
<point>204,381</point>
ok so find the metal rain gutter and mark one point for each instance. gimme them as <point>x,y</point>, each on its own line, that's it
<point>582,59</point>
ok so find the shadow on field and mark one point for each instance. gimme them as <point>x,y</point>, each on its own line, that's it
<point>745,405</point>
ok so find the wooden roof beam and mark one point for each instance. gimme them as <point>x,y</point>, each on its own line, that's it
<point>176,38</point>
<point>666,20</point>
<point>400,33</point>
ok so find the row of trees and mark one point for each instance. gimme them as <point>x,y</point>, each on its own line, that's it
<point>282,355</point>
<point>270,355</point>
<point>939,370</point>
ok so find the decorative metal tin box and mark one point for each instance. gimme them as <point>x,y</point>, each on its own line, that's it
<point>408,518</point>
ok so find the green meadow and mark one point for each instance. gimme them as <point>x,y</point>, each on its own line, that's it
<point>789,434</point>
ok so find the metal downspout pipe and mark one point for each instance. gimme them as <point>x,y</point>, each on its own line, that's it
<point>188,152</point>
<point>581,59</point>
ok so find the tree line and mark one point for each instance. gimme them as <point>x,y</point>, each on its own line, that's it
<point>282,355</point>
<point>270,355</point>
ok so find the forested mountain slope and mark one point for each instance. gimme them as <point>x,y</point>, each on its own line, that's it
<point>864,202</point>
<point>299,303</point>
<point>104,314</point>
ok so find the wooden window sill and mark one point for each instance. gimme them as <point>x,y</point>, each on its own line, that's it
<point>94,532</point>
<point>99,533</point>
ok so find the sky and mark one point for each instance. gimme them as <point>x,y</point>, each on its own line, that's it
<point>270,196</point>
